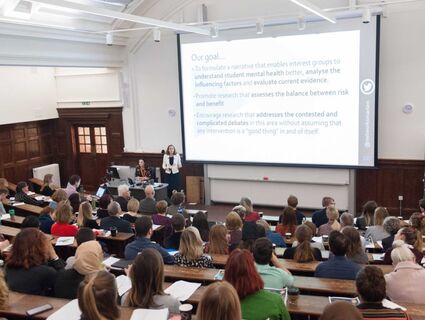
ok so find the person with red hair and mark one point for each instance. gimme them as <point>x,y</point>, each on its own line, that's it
<point>256,303</point>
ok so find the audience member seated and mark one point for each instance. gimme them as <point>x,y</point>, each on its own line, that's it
<point>319,217</point>
<point>30,222</point>
<point>143,226</point>
<point>200,222</point>
<point>370,284</point>
<point>62,226</point>
<point>22,195</point>
<point>250,233</point>
<point>160,218</point>
<point>338,266</point>
<point>355,251</point>
<point>142,173</point>
<point>4,184</point>
<point>218,242</point>
<point>57,196</point>
<point>346,220</point>
<point>417,221</point>
<point>104,202</point>
<point>173,241</point>
<point>391,225</point>
<point>293,203</point>
<point>132,210</point>
<point>85,216</point>
<point>366,219</point>
<point>234,227</point>
<point>97,297</point>
<point>376,231</point>
<point>114,220</point>
<point>148,204</point>
<point>46,219</point>
<point>304,250</point>
<point>250,214</point>
<point>256,303</point>
<point>410,237</point>
<point>32,265</point>
<point>404,284</point>
<point>176,206</point>
<point>241,211</point>
<point>88,259</point>
<point>332,214</point>
<point>3,197</point>
<point>73,185</point>
<point>275,276</point>
<point>191,251</point>
<point>341,310</point>
<point>147,278</point>
<point>48,186</point>
<point>74,201</point>
<point>319,244</point>
<point>274,237</point>
<point>287,222</point>
<point>219,301</point>
<point>83,235</point>
<point>123,196</point>
<point>4,292</point>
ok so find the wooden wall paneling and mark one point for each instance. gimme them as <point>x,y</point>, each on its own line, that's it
<point>24,146</point>
<point>391,179</point>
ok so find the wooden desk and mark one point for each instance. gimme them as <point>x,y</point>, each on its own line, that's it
<point>12,187</point>
<point>16,222</point>
<point>220,260</point>
<point>23,210</point>
<point>19,303</point>
<point>9,232</point>
<point>203,275</point>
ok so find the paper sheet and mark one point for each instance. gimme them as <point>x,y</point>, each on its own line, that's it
<point>149,314</point>
<point>5,216</point>
<point>378,256</point>
<point>317,239</point>
<point>70,311</point>
<point>155,226</point>
<point>389,304</point>
<point>17,204</point>
<point>64,241</point>
<point>110,261</point>
<point>182,290</point>
<point>123,284</point>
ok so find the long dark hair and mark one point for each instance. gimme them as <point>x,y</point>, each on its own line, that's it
<point>303,252</point>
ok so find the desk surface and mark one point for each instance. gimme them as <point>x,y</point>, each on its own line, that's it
<point>27,209</point>
<point>305,304</point>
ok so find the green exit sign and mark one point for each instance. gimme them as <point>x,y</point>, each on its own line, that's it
<point>85,103</point>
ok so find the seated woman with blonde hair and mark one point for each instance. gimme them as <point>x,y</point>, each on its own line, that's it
<point>219,301</point>
<point>333,224</point>
<point>405,283</point>
<point>191,251</point>
<point>97,297</point>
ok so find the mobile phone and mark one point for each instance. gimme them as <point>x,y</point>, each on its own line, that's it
<point>40,309</point>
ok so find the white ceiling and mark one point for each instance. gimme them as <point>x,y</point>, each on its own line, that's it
<point>20,17</point>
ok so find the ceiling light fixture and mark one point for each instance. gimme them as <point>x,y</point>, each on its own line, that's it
<point>313,9</point>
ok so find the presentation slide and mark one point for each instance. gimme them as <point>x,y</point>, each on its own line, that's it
<point>297,99</point>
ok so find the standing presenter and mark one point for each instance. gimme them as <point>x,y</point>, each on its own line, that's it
<point>171,163</point>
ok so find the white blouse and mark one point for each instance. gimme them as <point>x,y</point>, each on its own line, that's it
<point>174,168</point>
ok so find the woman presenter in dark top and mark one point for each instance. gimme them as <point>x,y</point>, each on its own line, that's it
<point>142,173</point>
<point>171,164</point>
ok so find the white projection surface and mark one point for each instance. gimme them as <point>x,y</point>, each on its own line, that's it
<point>285,97</point>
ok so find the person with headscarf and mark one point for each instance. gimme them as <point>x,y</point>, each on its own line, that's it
<point>88,259</point>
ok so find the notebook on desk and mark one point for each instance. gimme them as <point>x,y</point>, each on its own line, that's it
<point>122,264</point>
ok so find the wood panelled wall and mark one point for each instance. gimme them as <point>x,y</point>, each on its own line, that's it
<point>155,160</point>
<point>24,146</point>
<point>393,178</point>
<point>69,118</point>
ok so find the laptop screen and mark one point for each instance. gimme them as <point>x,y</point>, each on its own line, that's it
<point>100,192</point>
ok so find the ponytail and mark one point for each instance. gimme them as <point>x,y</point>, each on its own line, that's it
<point>304,252</point>
<point>97,297</point>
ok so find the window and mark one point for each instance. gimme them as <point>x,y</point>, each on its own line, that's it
<point>87,135</point>
<point>84,139</point>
